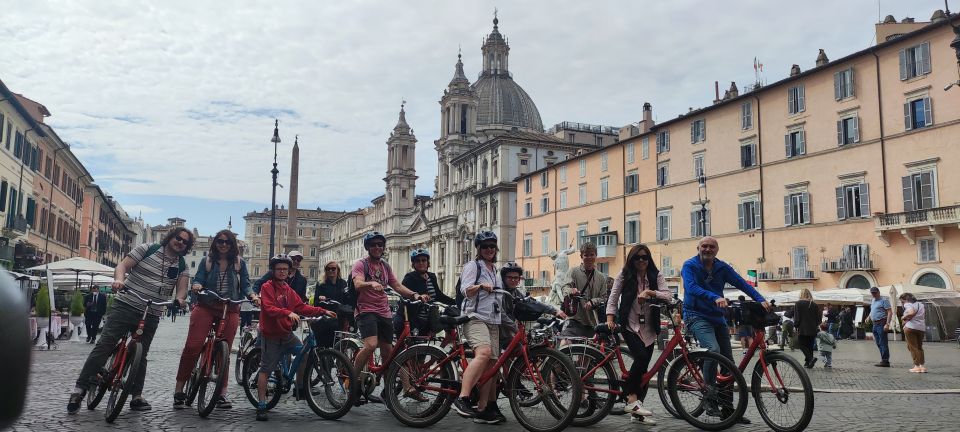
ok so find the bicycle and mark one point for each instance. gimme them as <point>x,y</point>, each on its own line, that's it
<point>683,371</point>
<point>327,372</point>
<point>248,340</point>
<point>213,360</point>
<point>125,364</point>
<point>535,375</point>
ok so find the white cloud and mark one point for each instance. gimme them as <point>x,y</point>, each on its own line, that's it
<point>136,209</point>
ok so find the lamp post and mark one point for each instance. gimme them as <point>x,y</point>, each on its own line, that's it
<point>273,200</point>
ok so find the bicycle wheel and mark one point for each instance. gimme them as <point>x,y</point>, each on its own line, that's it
<point>707,406</point>
<point>100,382</point>
<point>406,382</point>
<point>662,386</point>
<point>211,383</point>
<point>331,397</point>
<point>120,388</point>
<point>598,388</point>
<point>251,369</point>
<point>787,405</point>
<point>245,341</point>
<point>554,379</point>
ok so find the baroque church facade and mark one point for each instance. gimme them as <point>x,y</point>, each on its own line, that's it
<point>490,133</point>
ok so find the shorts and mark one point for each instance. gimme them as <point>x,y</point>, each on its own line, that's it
<point>273,349</point>
<point>745,331</point>
<point>371,324</point>
<point>574,328</point>
<point>480,333</point>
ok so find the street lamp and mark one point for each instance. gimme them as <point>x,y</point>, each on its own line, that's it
<point>273,200</point>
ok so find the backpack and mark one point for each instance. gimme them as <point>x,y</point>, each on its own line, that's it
<point>156,247</point>
<point>460,297</point>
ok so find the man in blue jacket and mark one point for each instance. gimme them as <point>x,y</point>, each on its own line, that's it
<point>704,277</point>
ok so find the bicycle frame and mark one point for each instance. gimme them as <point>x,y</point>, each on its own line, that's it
<point>215,335</point>
<point>760,344</point>
<point>120,359</point>
<point>401,344</point>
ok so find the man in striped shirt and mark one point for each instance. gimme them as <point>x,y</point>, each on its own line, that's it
<point>154,271</point>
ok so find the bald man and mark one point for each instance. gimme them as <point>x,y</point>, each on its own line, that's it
<point>704,277</point>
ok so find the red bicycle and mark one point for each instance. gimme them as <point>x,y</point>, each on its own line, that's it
<point>208,378</point>
<point>125,363</point>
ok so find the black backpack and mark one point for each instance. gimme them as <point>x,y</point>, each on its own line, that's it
<point>460,296</point>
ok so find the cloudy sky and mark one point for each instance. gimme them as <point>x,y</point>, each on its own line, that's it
<point>171,104</point>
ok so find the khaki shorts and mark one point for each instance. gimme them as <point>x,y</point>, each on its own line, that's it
<point>480,333</point>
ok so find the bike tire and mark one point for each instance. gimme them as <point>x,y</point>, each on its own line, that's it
<point>101,382</point>
<point>662,387</point>
<point>781,366</point>
<point>251,368</point>
<point>212,381</point>
<point>119,390</point>
<point>598,404</point>
<point>415,364</point>
<point>245,342</point>
<point>689,369</point>
<point>555,379</point>
<point>332,396</point>
<point>193,382</point>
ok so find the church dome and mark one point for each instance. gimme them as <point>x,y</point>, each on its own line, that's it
<point>504,103</point>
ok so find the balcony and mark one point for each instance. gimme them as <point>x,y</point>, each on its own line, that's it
<point>905,223</point>
<point>670,273</point>
<point>606,243</point>
<point>787,274</point>
<point>849,263</point>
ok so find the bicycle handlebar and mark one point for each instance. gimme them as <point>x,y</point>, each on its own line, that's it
<point>149,302</point>
<point>216,296</point>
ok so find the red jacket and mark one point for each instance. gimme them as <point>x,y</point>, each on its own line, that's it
<point>277,300</point>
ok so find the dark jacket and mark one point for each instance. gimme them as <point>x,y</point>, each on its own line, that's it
<point>95,310</point>
<point>414,280</point>
<point>296,281</point>
<point>806,317</point>
<point>333,291</point>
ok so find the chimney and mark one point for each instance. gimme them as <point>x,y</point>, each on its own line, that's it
<point>822,58</point>
<point>734,91</point>
<point>907,20</point>
<point>716,91</point>
<point>647,123</point>
<point>795,70</point>
<point>889,19</point>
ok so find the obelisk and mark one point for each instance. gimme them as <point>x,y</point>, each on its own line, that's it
<point>291,243</point>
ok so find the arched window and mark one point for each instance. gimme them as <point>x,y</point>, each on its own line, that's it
<point>483,172</point>
<point>858,281</point>
<point>932,280</point>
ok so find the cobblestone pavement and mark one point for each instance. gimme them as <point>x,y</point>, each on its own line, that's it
<point>890,396</point>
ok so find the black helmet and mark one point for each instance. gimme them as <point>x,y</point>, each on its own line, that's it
<point>483,236</point>
<point>280,258</point>
<point>419,252</point>
<point>372,235</point>
<point>510,267</point>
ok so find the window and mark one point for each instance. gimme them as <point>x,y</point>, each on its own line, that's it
<point>544,179</point>
<point>666,262</point>
<point>256,270</point>
<point>313,272</point>
<point>663,142</point>
<point>662,171</point>
<point>932,280</point>
<point>563,173</point>
<point>259,229</point>
<point>796,209</point>
<point>631,183</point>
<point>843,84</point>
<point>571,137</point>
<point>258,249</point>
<point>528,245</point>
<point>917,113</point>
<point>299,232</point>
<point>796,102</point>
<point>583,168</point>
<point>581,233</point>
<point>746,115</point>
<point>698,131</point>
<point>604,188</point>
<point>494,211</point>
<point>663,225</point>
<point>748,155</point>
<point>603,267</point>
<point>698,169</point>
<point>545,242</point>
<point>748,215</point>
<point>800,263</point>
<point>563,237</point>
<point>645,148</point>
<point>915,61</point>
<point>598,140</point>
<point>526,185</point>
<point>603,162</point>
<point>795,144</point>
<point>544,204</point>
<point>630,153</point>
<point>699,222</point>
<point>563,199</point>
<point>848,130</point>
<point>632,230</point>
<point>582,190</point>
<point>313,233</point>
<point>527,209</point>
<point>853,201</point>
<point>919,191</point>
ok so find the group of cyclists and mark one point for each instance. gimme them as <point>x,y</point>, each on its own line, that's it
<point>485,295</point>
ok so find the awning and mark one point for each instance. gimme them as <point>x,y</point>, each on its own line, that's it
<point>74,265</point>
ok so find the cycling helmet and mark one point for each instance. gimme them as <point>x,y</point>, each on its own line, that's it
<point>280,258</point>
<point>373,235</point>
<point>510,267</point>
<point>483,236</point>
<point>419,252</point>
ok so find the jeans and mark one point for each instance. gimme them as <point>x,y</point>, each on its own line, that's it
<point>827,358</point>
<point>880,337</point>
<point>120,320</point>
<point>715,338</point>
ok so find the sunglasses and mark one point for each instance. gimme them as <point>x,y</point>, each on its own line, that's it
<point>297,258</point>
<point>182,240</point>
<point>376,245</point>
<point>641,257</point>
<point>223,242</point>
<point>421,260</point>
<point>330,269</point>
<point>488,246</point>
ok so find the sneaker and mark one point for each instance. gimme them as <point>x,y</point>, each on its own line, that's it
<point>223,403</point>
<point>179,400</point>
<point>644,420</point>
<point>744,421</point>
<point>915,369</point>
<point>486,417</point>
<point>637,409</point>
<point>75,400</point>
<point>923,369</point>
<point>883,364</point>
<point>712,410</point>
<point>262,414</point>
<point>463,407</point>
<point>140,404</point>
<point>496,411</point>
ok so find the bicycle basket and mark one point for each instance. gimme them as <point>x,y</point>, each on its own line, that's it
<point>754,314</point>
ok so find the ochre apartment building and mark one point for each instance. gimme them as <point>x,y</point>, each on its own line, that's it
<point>845,175</point>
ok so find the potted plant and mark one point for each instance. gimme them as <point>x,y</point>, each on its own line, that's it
<point>43,309</point>
<point>76,313</point>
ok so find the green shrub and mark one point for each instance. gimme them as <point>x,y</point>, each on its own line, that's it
<point>43,301</point>
<point>109,302</point>
<point>76,303</point>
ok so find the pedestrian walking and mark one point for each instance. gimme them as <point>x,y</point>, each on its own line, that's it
<point>881,313</point>
<point>95,305</point>
<point>833,321</point>
<point>806,317</point>
<point>826,343</point>
<point>788,335</point>
<point>846,322</point>
<point>914,329</point>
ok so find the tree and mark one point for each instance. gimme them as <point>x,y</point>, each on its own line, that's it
<point>76,304</point>
<point>43,301</point>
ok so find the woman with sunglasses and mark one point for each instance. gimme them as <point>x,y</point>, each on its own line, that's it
<point>639,281</point>
<point>222,271</point>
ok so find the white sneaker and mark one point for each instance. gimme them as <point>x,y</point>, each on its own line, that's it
<point>637,409</point>
<point>644,420</point>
